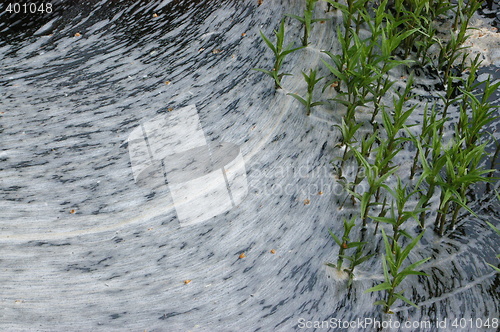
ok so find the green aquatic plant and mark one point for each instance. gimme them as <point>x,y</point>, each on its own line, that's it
<point>461,171</point>
<point>395,123</point>
<point>430,137</point>
<point>311,81</point>
<point>464,11</point>
<point>398,213</point>
<point>392,143</point>
<point>417,16</point>
<point>385,38</point>
<point>395,273</point>
<point>361,69</point>
<point>307,20</point>
<point>380,42</point>
<point>358,258</point>
<point>401,29</point>
<point>366,146</point>
<point>348,130</point>
<point>349,12</point>
<point>280,52</point>
<point>431,168</point>
<point>449,98</point>
<point>424,43</point>
<point>482,113</point>
<point>345,243</point>
<point>452,50</point>
<point>351,73</point>
<point>390,40</point>
<point>368,142</point>
<point>375,179</point>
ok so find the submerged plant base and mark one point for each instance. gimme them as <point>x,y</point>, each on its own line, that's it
<point>336,274</point>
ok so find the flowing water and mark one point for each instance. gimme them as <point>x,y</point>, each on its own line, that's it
<point>84,246</point>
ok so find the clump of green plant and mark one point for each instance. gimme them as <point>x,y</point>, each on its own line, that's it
<point>376,174</point>
<point>395,273</point>
<point>419,16</point>
<point>353,72</point>
<point>464,11</point>
<point>388,37</point>
<point>345,244</point>
<point>482,113</point>
<point>462,170</point>
<point>461,161</point>
<point>402,39</point>
<point>388,147</point>
<point>394,124</point>
<point>351,13</point>
<point>430,138</point>
<point>359,257</point>
<point>311,81</point>
<point>348,130</point>
<point>307,20</point>
<point>399,214</point>
<point>280,52</point>
<point>431,167</point>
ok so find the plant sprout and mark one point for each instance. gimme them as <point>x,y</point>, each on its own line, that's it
<point>311,81</point>
<point>279,52</point>
<point>394,273</point>
<point>307,20</point>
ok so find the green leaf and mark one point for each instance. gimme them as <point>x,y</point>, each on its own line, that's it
<point>385,269</point>
<point>317,103</point>
<point>387,220</point>
<point>299,98</point>
<point>363,259</point>
<point>337,5</point>
<point>410,246</point>
<point>413,266</point>
<point>355,244</point>
<point>496,268</point>
<point>298,18</point>
<point>335,71</point>
<point>379,287</point>
<point>268,43</point>
<point>405,233</point>
<point>335,238</point>
<point>268,72</point>
<point>405,273</point>
<point>401,297</point>
<point>494,228</point>
<point>320,19</point>
<point>380,302</point>
<point>386,244</point>
<point>349,258</point>
<point>288,51</point>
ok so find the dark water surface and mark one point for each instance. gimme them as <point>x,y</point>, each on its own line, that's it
<point>84,247</point>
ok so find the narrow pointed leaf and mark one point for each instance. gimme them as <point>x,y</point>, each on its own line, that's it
<point>379,287</point>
